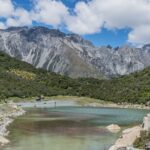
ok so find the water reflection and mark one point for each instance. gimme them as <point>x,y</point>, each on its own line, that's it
<point>69,128</point>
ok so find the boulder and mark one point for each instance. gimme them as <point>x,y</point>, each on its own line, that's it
<point>114,128</point>
<point>3,141</point>
<point>146,123</point>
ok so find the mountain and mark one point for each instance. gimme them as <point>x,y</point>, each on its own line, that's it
<point>70,54</point>
<point>20,79</point>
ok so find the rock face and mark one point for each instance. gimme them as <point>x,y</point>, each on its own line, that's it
<point>70,54</point>
<point>146,123</point>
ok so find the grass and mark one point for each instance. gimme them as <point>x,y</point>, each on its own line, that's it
<point>23,74</point>
<point>17,99</point>
<point>142,140</point>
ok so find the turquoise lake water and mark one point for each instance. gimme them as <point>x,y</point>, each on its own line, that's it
<point>70,128</point>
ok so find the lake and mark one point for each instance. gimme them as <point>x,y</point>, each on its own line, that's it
<point>69,128</point>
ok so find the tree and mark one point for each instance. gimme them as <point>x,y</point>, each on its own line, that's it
<point>3,98</point>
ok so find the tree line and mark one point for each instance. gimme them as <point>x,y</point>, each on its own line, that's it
<point>133,88</point>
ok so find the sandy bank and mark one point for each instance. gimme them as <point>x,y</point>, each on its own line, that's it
<point>8,112</point>
<point>128,137</point>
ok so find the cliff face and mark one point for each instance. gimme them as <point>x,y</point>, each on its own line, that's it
<point>70,54</point>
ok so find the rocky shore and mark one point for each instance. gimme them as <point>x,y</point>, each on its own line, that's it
<point>125,142</point>
<point>8,112</point>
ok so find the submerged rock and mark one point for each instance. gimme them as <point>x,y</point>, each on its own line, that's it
<point>3,141</point>
<point>114,128</point>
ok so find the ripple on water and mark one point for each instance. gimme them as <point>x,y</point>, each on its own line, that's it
<point>69,128</point>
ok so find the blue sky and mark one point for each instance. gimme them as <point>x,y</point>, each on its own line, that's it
<point>104,22</point>
<point>108,37</point>
<point>105,37</point>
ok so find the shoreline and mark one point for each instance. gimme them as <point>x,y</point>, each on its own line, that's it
<point>129,135</point>
<point>8,112</point>
<point>82,101</point>
<point>127,138</point>
<point>6,118</point>
<point>109,105</point>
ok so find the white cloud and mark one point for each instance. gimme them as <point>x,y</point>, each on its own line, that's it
<point>50,12</point>
<point>86,18</point>
<point>92,16</point>
<point>86,21</point>
<point>6,8</point>
<point>140,35</point>
<point>123,13</point>
<point>2,25</point>
<point>21,17</point>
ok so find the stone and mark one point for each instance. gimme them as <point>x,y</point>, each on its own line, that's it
<point>3,141</point>
<point>114,128</point>
<point>146,123</point>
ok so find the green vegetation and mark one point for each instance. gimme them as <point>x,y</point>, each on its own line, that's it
<point>23,74</point>
<point>80,100</point>
<point>143,140</point>
<point>19,79</point>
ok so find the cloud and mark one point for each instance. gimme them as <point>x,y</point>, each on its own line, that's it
<point>87,17</point>
<point>114,14</point>
<point>121,14</point>
<point>13,16</point>
<point>20,17</point>
<point>6,8</point>
<point>92,16</point>
<point>50,12</point>
<point>86,21</point>
<point>2,25</point>
<point>140,35</point>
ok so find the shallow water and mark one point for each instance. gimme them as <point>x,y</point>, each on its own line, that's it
<point>69,128</point>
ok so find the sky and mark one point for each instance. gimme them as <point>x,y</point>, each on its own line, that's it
<point>104,22</point>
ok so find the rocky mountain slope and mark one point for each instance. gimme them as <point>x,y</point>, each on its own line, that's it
<point>70,54</point>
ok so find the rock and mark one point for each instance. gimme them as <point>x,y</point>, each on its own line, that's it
<point>3,141</point>
<point>146,123</point>
<point>122,148</point>
<point>7,114</point>
<point>114,147</point>
<point>114,128</point>
<point>127,139</point>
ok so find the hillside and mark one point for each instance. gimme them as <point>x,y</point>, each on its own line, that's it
<point>70,54</point>
<point>19,79</point>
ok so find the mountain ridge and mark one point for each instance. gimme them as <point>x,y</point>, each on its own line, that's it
<point>70,54</point>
